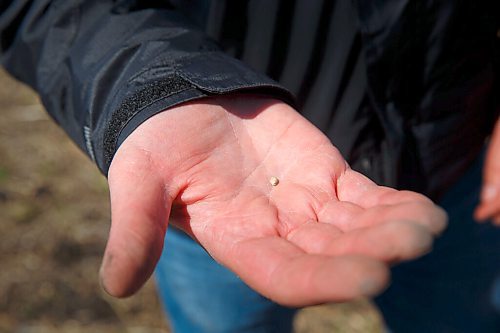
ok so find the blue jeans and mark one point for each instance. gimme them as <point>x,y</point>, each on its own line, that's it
<point>201,296</point>
<point>456,288</point>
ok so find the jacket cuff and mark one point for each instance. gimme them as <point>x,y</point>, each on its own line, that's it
<point>164,86</point>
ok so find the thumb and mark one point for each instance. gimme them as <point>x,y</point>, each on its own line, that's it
<point>139,213</point>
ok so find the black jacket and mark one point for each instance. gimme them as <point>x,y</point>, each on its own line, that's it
<point>408,90</point>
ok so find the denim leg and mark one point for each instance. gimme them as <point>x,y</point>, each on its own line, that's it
<point>456,288</point>
<point>201,296</point>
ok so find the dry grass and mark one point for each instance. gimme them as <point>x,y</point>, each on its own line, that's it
<point>54,219</point>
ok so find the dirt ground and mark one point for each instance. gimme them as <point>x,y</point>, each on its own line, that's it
<point>54,220</point>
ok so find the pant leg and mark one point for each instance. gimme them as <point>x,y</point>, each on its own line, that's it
<point>456,288</point>
<point>201,296</point>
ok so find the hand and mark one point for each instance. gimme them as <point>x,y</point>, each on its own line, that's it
<point>489,207</point>
<point>324,233</point>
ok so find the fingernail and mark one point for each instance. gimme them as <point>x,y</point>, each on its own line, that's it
<point>101,282</point>
<point>489,192</point>
<point>496,220</point>
<point>370,287</point>
<point>105,262</point>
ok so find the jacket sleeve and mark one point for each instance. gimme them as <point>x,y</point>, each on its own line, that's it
<point>102,67</point>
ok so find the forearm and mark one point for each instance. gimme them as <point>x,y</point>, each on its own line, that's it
<point>102,70</point>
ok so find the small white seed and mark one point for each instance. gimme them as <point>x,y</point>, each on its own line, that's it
<point>274,181</point>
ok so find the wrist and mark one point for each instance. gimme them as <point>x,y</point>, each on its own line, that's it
<point>187,133</point>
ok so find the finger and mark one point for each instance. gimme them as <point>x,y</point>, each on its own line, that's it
<point>356,188</point>
<point>488,210</point>
<point>286,274</point>
<point>391,242</point>
<point>139,212</point>
<point>348,216</point>
<point>489,205</point>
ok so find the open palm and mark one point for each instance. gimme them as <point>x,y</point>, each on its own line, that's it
<point>323,233</point>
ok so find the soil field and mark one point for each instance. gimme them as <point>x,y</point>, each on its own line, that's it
<point>54,220</point>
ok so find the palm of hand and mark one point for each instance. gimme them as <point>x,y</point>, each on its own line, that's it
<point>324,233</point>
